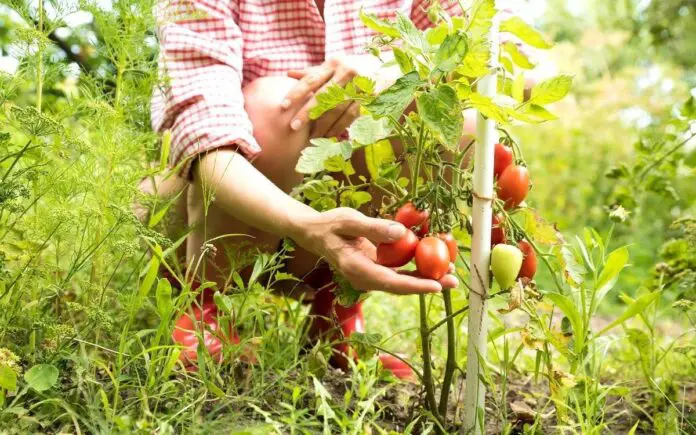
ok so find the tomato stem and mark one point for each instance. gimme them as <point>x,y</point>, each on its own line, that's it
<point>427,362</point>
<point>451,363</point>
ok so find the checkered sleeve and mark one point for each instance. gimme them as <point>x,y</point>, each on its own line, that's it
<point>200,97</point>
<point>419,11</point>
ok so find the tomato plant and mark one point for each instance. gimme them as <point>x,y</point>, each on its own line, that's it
<point>513,185</point>
<point>432,258</point>
<point>398,253</point>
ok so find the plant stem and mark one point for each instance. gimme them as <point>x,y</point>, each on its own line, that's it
<point>451,363</point>
<point>39,65</point>
<point>427,363</point>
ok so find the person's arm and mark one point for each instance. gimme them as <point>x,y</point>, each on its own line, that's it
<point>344,237</point>
<point>200,63</point>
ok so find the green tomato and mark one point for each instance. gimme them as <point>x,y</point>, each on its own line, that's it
<point>506,261</point>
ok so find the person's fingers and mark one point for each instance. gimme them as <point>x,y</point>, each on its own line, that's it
<point>299,73</point>
<point>341,77</point>
<point>322,125</point>
<point>307,85</point>
<point>447,281</point>
<point>349,222</point>
<point>366,275</point>
<point>349,115</point>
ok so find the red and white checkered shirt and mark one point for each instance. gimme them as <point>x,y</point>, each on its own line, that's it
<point>210,49</point>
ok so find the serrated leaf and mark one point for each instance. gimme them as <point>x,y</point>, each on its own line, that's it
<point>364,84</point>
<point>379,25</point>
<point>633,309</point>
<point>376,155</point>
<point>313,157</point>
<point>410,33</point>
<point>519,58</point>
<point>481,16</point>
<point>551,90</point>
<point>364,344</point>
<point>41,377</point>
<point>440,110</point>
<point>367,130</point>
<point>393,101</point>
<point>451,52</point>
<point>402,59</point>
<point>475,62</point>
<point>517,90</point>
<point>488,108</point>
<point>525,32</point>
<point>332,97</point>
<point>8,378</point>
<point>538,229</point>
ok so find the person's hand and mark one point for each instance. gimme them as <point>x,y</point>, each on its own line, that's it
<point>314,80</point>
<point>346,239</point>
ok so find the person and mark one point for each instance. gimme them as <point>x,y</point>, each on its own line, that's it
<point>238,80</point>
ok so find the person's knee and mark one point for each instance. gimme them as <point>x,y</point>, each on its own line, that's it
<point>271,122</point>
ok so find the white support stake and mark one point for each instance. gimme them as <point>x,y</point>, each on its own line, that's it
<point>481,213</point>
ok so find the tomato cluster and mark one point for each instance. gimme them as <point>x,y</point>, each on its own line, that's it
<point>433,254</point>
<point>509,262</point>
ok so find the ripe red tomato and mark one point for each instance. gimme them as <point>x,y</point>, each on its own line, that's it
<point>529,262</point>
<point>451,243</point>
<point>398,253</point>
<point>432,258</point>
<point>410,216</point>
<point>513,185</point>
<point>503,159</point>
<point>497,232</point>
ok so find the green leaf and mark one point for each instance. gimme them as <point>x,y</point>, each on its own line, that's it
<point>393,101</point>
<point>525,32</point>
<point>488,108</point>
<point>164,150</point>
<point>403,60</point>
<point>481,16</point>
<point>339,164</point>
<point>475,63</point>
<point>364,344</point>
<point>366,130</point>
<point>517,56</point>
<point>507,64</point>
<point>568,308</point>
<point>551,90</point>
<point>376,155</point>
<point>517,90</point>
<point>8,378</point>
<point>163,296</point>
<point>614,264</point>
<point>440,110</point>
<point>573,271</point>
<point>435,35</point>
<point>313,157</point>
<point>151,274</point>
<point>375,23</point>
<point>635,308</point>
<point>410,33</point>
<point>332,97</point>
<point>355,199</point>
<point>365,84</point>
<point>451,52</point>
<point>41,377</point>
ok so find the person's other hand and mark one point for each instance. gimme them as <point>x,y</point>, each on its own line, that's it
<point>315,80</point>
<point>346,238</point>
